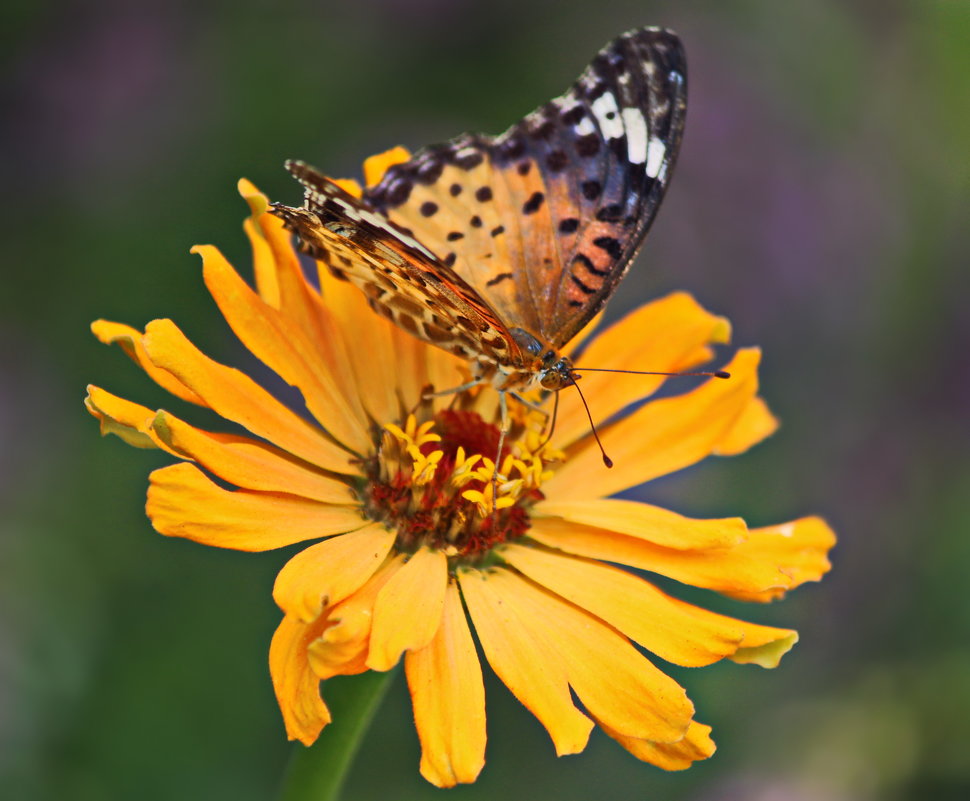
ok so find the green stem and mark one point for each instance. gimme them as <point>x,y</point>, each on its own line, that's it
<point>317,773</point>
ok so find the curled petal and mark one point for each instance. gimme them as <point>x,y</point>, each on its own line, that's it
<point>519,649</point>
<point>182,502</point>
<point>445,680</point>
<point>130,421</point>
<point>694,746</point>
<point>341,650</point>
<point>674,630</point>
<point>799,549</point>
<point>329,571</point>
<point>130,341</point>
<point>297,686</point>
<point>408,609</point>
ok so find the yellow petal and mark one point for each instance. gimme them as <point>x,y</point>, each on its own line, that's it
<point>646,522</point>
<point>286,288</point>
<point>799,549</point>
<point>285,348</point>
<point>377,165</point>
<point>248,463</point>
<point>767,654</point>
<point>521,653</point>
<point>728,570</point>
<point>615,683</point>
<point>754,424</point>
<point>342,648</point>
<point>408,609</point>
<point>237,397</point>
<point>370,346</point>
<point>349,185</point>
<point>264,263</point>
<point>130,341</point>
<point>696,745</point>
<point>297,687</point>
<point>445,680</point>
<point>130,421</point>
<point>329,571</point>
<point>663,436</point>
<point>663,336</point>
<point>674,630</point>
<point>182,502</point>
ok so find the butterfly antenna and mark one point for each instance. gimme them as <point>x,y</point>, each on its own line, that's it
<point>713,374</point>
<point>606,459</point>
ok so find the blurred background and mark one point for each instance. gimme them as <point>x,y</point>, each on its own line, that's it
<point>820,202</point>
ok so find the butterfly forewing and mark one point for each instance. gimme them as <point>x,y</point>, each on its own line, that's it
<point>544,220</point>
<point>401,278</point>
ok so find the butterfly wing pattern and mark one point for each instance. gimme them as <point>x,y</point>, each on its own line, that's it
<point>500,249</point>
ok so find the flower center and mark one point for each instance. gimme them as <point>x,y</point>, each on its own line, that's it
<point>436,483</point>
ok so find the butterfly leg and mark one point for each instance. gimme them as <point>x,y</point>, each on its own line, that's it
<point>503,406</point>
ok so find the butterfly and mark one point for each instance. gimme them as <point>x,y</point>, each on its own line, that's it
<point>501,249</point>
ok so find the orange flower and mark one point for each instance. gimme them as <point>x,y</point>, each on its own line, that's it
<point>416,539</point>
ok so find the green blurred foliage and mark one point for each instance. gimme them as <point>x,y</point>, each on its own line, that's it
<point>820,203</point>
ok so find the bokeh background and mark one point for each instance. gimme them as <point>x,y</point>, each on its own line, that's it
<point>821,202</point>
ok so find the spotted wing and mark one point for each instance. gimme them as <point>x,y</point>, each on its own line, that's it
<point>402,279</point>
<point>544,220</point>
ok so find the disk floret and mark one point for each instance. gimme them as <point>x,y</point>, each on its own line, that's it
<point>436,484</point>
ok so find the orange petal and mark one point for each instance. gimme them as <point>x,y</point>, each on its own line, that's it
<point>285,348</point>
<point>329,571</point>
<point>370,346</point>
<point>675,631</point>
<point>342,648</point>
<point>297,687</point>
<point>754,424</point>
<point>248,463</point>
<point>349,185</point>
<point>663,436</point>
<point>377,165</point>
<point>696,745</point>
<point>182,502</point>
<point>130,341</point>
<point>297,300</point>
<point>445,680</point>
<point>237,397</point>
<point>728,570</point>
<point>408,609</point>
<point>650,523</point>
<point>799,549</point>
<point>521,653</point>
<point>666,335</point>
<point>615,683</point>
<point>130,421</point>
<point>264,263</point>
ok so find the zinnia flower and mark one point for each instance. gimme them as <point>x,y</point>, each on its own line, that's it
<point>412,550</point>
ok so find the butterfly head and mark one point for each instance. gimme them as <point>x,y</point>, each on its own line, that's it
<point>552,371</point>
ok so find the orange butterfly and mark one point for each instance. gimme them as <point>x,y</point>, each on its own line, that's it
<point>500,249</point>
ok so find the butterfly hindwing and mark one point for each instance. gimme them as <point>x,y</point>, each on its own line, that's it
<point>544,220</point>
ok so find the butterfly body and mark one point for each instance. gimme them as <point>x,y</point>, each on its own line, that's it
<point>501,249</point>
